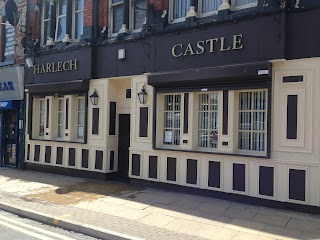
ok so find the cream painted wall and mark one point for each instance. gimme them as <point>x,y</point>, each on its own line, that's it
<point>301,154</point>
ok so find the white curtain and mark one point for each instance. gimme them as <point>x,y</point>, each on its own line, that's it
<point>210,5</point>
<point>244,2</point>
<point>180,8</point>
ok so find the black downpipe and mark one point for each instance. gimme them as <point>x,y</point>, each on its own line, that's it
<point>95,21</point>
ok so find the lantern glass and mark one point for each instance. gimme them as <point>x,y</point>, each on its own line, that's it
<point>142,96</point>
<point>94,98</point>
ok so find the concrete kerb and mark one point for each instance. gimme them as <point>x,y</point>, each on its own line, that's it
<point>67,224</point>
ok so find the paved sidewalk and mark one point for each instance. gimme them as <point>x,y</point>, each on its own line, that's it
<point>112,210</point>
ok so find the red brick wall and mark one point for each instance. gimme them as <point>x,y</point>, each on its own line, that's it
<point>88,13</point>
<point>160,4</point>
<point>19,51</point>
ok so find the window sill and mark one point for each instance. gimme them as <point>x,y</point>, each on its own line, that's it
<point>58,140</point>
<point>239,154</point>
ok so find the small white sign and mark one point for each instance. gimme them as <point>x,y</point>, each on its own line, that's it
<point>80,131</point>
<point>204,89</point>
<point>168,137</point>
<point>263,72</point>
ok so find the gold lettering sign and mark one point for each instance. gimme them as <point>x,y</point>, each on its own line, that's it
<point>222,44</point>
<point>65,66</point>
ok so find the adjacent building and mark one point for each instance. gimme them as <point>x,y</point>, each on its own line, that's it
<point>11,90</point>
<point>211,97</point>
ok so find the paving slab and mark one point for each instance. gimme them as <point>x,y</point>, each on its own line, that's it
<point>104,207</point>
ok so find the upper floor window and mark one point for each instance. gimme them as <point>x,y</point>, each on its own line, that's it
<point>207,7</point>
<point>238,4</point>
<point>137,13</point>
<point>61,20</point>
<point>178,9</point>
<point>78,18</point>
<point>62,30</point>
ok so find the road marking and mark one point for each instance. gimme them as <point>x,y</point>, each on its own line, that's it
<point>52,234</point>
<point>56,220</point>
<point>41,237</point>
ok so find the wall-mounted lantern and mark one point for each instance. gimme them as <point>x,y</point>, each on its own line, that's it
<point>142,96</point>
<point>94,98</point>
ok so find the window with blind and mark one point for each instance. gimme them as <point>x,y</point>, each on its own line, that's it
<point>252,130</point>
<point>178,9</point>
<point>208,121</point>
<point>172,111</point>
<point>207,7</point>
<point>244,3</point>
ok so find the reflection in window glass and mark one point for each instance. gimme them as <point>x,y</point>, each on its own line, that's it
<point>139,14</point>
<point>208,120</point>
<point>46,21</point>
<point>117,15</point>
<point>78,18</point>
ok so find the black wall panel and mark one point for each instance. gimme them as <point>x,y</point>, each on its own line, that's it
<point>59,155</point>
<point>143,126</point>
<point>72,157</point>
<point>266,181</point>
<point>47,157</point>
<point>153,167</point>
<point>214,174</point>
<point>135,165</point>
<point>95,121</point>
<point>111,160</point>
<point>292,117</point>
<point>225,114</point>
<point>36,153</point>
<point>186,113</point>
<point>99,160</point>
<point>112,118</point>
<point>171,169</point>
<point>239,177</point>
<point>290,79</point>
<point>28,152</point>
<point>192,171</point>
<point>85,158</point>
<point>297,184</point>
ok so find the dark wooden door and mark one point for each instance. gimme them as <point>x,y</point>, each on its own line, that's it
<point>123,145</point>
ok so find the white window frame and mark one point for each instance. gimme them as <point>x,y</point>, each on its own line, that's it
<point>163,129</point>
<point>79,98</point>
<point>74,13</point>
<point>244,6</point>
<point>207,13</point>
<point>171,19</point>
<point>218,112</point>
<point>63,112</point>
<point>44,41</point>
<point>58,16</point>
<point>237,122</point>
<point>132,17</point>
<point>111,6</point>
<point>44,112</point>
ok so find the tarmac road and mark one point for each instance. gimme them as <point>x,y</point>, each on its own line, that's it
<point>13,227</point>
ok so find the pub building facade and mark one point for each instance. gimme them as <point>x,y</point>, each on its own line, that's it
<point>11,92</point>
<point>216,98</point>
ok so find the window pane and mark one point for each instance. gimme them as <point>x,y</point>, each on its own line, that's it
<point>46,32</point>
<point>78,25</point>
<point>245,140</point>
<point>139,15</point>
<point>62,7</point>
<point>81,118</point>
<point>243,2</point>
<point>210,5</point>
<point>180,8</point>
<point>61,32</point>
<point>41,132</point>
<point>245,121</point>
<point>117,18</point>
<point>60,131</point>
<point>117,1</point>
<point>208,120</point>
<point>79,5</point>
<point>172,105</point>
<point>81,104</point>
<point>46,10</point>
<point>41,118</point>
